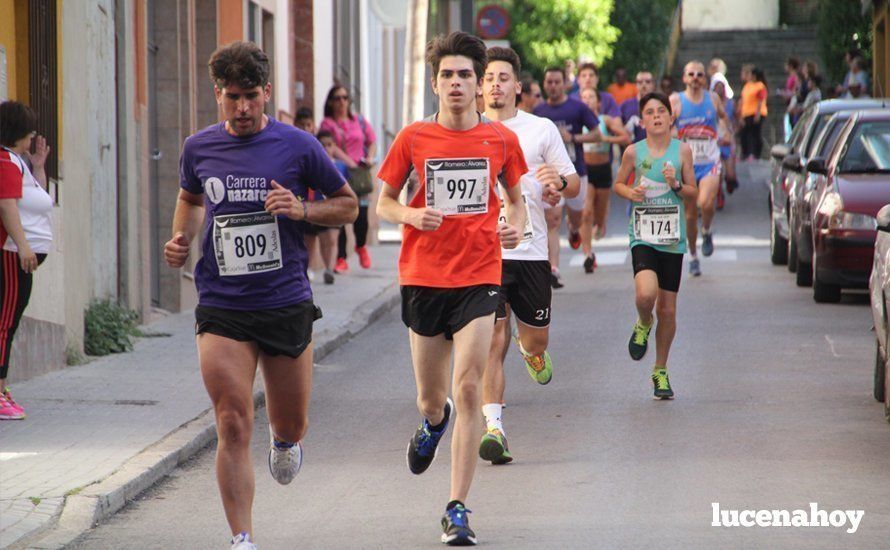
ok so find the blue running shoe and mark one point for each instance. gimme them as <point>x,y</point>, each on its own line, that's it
<point>694,267</point>
<point>422,447</point>
<point>707,243</point>
<point>456,527</point>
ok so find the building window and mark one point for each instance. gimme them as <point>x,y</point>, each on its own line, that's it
<point>43,81</point>
<point>347,43</point>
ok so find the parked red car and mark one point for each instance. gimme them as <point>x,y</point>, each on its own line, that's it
<point>855,187</point>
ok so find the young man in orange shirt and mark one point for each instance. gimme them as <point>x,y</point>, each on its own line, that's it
<point>621,89</point>
<point>450,261</point>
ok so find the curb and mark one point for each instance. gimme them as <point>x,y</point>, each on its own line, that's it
<point>96,503</point>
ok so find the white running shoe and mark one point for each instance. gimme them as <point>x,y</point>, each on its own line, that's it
<point>284,464</point>
<point>242,542</point>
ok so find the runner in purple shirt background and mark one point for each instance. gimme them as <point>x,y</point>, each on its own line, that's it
<point>243,184</point>
<point>571,118</point>
<point>588,77</point>
<point>630,109</point>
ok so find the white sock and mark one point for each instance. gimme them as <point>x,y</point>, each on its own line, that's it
<point>705,230</point>
<point>492,412</point>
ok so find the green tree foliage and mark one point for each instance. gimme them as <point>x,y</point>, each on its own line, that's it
<point>842,26</point>
<point>546,33</point>
<point>643,42</point>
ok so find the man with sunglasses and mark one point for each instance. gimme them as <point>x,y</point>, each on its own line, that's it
<point>696,111</point>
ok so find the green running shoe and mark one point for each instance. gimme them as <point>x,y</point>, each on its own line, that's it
<point>539,368</point>
<point>662,385</point>
<point>493,447</point>
<point>639,341</point>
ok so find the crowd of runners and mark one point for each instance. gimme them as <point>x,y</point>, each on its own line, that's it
<point>480,243</point>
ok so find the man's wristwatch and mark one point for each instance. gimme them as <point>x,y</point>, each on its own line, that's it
<point>565,182</point>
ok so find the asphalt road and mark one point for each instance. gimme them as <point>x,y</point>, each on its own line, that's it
<point>773,411</point>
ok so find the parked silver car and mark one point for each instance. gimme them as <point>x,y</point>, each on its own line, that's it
<point>878,289</point>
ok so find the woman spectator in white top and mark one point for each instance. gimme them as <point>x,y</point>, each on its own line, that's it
<point>26,232</point>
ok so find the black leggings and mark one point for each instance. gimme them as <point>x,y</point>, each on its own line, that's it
<point>15,290</point>
<point>752,141</point>
<point>359,227</point>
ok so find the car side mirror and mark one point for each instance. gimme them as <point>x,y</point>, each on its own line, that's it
<point>780,151</point>
<point>792,162</point>
<point>817,166</point>
<point>884,219</point>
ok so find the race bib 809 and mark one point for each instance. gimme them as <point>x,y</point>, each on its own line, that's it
<point>245,244</point>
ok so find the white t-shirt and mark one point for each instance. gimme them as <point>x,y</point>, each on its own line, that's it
<point>35,210</point>
<point>541,144</point>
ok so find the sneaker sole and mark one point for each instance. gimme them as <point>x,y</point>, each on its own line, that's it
<point>491,450</point>
<point>662,397</point>
<point>300,467</point>
<point>436,452</point>
<point>457,540</point>
<point>6,417</point>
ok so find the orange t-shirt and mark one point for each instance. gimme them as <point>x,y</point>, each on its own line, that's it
<point>465,250</point>
<point>622,93</point>
<point>752,94</point>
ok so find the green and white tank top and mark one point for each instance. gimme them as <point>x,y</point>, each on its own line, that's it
<point>660,220</point>
<point>602,147</point>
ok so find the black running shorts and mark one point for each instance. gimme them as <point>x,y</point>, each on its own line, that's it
<point>668,266</point>
<point>282,331</point>
<point>525,285</point>
<point>599,175</point>
<point>432,311</point>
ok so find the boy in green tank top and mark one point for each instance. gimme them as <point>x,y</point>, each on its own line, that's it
<point>657,229</point>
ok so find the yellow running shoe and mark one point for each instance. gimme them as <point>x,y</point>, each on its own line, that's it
<point>661,384</point>
<point>493,447</point>
<point>540,368</point>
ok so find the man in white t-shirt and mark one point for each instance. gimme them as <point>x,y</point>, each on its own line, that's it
<point>525,284</point>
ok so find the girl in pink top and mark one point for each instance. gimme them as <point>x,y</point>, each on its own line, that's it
<point>357,147</point>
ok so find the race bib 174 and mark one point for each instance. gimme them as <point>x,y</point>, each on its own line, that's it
<point>246,244</point>
<point>658,225</point>
<point>457,187</point>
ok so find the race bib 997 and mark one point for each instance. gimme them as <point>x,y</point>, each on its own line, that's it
<point>457,186</point>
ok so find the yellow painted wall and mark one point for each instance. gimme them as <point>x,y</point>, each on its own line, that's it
<point>7,40</point>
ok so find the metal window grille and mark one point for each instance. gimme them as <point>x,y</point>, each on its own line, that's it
<point>43,81</point>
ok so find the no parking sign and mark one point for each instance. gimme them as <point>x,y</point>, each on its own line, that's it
<point>492,22</point>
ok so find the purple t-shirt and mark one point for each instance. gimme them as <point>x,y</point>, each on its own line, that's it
<point>608,105</point>
<point>573,116</point>
<point>630,116</point>
<point>251,259</point>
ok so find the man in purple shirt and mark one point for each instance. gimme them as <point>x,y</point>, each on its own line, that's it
<point>630,109</point>
<point>243,182</point>
<point>571,118</point>
<point>588,78</point>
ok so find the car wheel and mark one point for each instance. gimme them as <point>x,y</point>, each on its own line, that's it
<point>880,370</point>
<point>793,260</point>
<point>804,275</point>
<point>778,247</point>
<point>824,293</point>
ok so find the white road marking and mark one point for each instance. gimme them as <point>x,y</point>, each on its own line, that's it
<point>831,345</point>
<point>724,255</point>
<point>9,456</point>
<point>611,257</point>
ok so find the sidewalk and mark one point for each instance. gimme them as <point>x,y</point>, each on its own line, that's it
<point>99,434</point>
